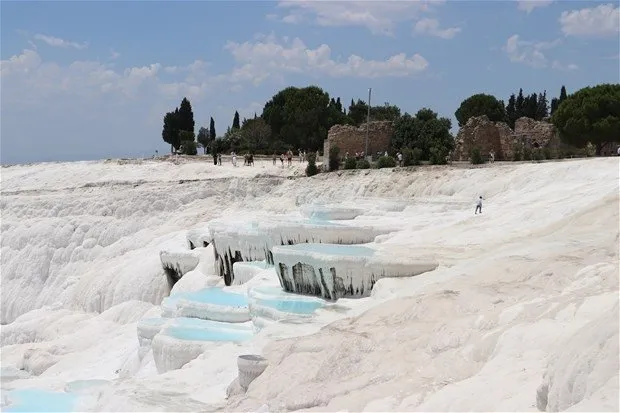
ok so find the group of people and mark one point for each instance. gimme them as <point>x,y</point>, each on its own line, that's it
<point>288,155</point>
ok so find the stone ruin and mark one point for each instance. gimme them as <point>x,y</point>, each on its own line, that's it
<point>352,139</point>
<point>498,136</point>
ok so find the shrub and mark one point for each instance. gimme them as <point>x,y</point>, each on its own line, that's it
<point>363,164</point>
<point>538,155</point>
<point>189,147</point>
<point>311,168</point>
<point>547,153</point>
<point>438,156</point>
<point>386,162</point>
<point>475,156</point>
<point>334,160</point>
<point>411,156</point>
<point>350,163</point>
<point>527,154</point>
<point>517,153</point>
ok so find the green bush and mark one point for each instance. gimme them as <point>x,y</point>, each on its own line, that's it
<point>527,154</point>
<point>411,156</point>
<point>547,153</point>
<point>386,162</point>
<point>189,147</point>
<point>334,159</point>
<point>350,163</point>
<point>438,156</point>
<point>311,168</point>
<point>517,153</point>
<point>475,156</point>
<point>363,164</point>
<point>538,155</point>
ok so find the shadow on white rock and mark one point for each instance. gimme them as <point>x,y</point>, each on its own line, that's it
<point>334,271</point>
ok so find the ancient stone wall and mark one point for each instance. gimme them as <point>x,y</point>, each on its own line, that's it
<point>352,139</point>
<point>498,136</point>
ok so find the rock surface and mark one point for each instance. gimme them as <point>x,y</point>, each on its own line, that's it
<point>498,136</point>
<point>352,139</point>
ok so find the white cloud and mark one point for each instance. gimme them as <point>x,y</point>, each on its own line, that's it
<point>261,59</point>
<point>431,27</point>
<point>114,54</point>
<point>58,42</point>
<point>529,5</point>
<point>528,52</point>
<point>35,81</point>
<point>380,17</point>
<point>565,67</point>
<point>600,21</point>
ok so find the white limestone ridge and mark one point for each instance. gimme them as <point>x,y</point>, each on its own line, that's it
<point>520,314</point>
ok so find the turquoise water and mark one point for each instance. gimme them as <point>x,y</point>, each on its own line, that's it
<point>290,306</point>
<point>275,298</point>
<point>335,249</point>
<point>212,295</point>
<point>34,400</point>
<point>195,329</point>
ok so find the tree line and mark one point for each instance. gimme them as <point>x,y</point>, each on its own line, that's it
<point>299,118</point>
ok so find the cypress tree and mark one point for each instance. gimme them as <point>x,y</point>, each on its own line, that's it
<point>186,116</point>
<point>235,124</point>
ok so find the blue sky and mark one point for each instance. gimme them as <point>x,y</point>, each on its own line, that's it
<point>92,80</point>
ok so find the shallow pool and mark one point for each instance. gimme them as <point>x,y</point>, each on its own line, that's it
<point>291,306</point>
<point>212,295</point>
<point>36,400</point>
<point>195,329</point>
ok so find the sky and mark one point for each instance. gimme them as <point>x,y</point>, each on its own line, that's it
<point>83,80</point>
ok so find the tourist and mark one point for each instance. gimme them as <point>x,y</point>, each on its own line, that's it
<point>282,159</point>
<point>234,158</point>
<point>275,157</point>
<point>400,159</point>
<point>492,156</point>
<point>289,157</point>
<point>219,159</point>
<point>478,206</point>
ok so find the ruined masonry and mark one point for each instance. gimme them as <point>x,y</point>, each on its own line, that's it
<point>498,136</point>
<point>353,139</point>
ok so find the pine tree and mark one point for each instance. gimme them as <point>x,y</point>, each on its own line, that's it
<point>212,130</point>
<point>555,102</point>
<point>235,124</point>
<point>531,106</point>
<point>519,105</point>
<point>542,110</point>
<point>186,116</point>
<point>338,104</point>
<point>563,95</point>
<point>511,111</point>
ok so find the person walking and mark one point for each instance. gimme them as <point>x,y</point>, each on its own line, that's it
<point>478,206</point>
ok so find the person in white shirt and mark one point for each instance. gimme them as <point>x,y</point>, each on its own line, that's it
<point>478,206</point>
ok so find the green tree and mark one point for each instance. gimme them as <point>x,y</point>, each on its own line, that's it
<point>235,124</point>
<point>212,134</point>
<point>170,131</point>
<point>186,116</point>
<point>542,109</point>
<point>203,138</point>
<point>519,105</point>
<point>478,105</point>
<point>255,134</point>
<point>563,95</point>
<point>300,117</point>
<point>358,112</point>
<point>555,102</point>
<point>591,114</point>
<point>427,133</point>
<point>511,111</point>
<point>530,105</point>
